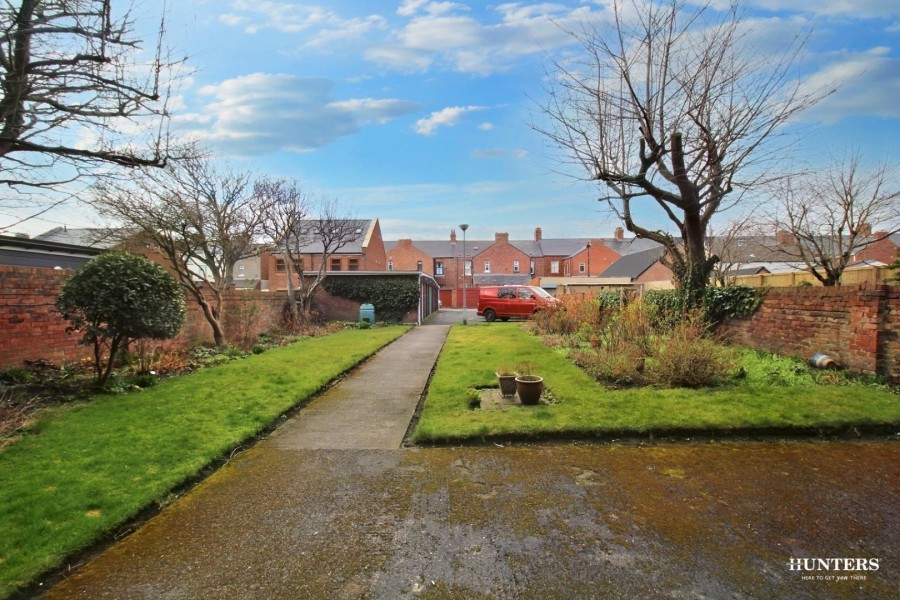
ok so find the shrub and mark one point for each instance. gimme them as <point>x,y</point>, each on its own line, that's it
<point>144,380</point>
<point>687,358</point>
<point>15,375</point>
<point>258,349</point>
<point>631,325</point>
<point>117,297</point>
<point>623,366</point>
<point>734,301</point>
<point>473,398</point>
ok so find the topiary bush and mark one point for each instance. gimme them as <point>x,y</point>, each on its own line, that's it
<point>117,297</point>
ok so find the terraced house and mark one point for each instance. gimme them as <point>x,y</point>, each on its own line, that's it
<point>502,261</point>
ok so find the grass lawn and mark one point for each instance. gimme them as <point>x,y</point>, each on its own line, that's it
<point>584,407</point>
<point>89,469</point>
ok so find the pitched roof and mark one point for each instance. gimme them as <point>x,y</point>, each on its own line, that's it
<point>547,247</point>
<point>633,265</point>
<point>488,279</point>
<point>355,246</point>
<point>90,237</point>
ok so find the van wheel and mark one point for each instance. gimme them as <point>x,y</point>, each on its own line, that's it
<point>490,316</point>
<point>504,319</point>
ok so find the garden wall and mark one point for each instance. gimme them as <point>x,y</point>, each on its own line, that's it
<point>858,326</point>
<point>31,328</point>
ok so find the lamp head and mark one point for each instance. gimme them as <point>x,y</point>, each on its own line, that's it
<point>464,226</point>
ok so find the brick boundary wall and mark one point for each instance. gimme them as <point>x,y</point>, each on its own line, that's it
<point>858,326</point>
<point>31,328</point>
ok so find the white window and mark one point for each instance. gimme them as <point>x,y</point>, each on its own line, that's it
<point>487,266</point>
<point>241,271</point>
<point>438,268</point>
<point>468,267</point>
<point>581,267</point>
<point>515,266</point>
<point>532,268</point>
<point>390,265</point>
<point>554,266</point>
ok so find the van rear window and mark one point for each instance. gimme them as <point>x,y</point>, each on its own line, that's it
<point>506,293</point>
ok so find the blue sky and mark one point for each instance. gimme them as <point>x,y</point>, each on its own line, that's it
<point>417,112</point>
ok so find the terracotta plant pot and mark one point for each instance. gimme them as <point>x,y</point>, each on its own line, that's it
<point>507,385</point>
<point>529,388</point>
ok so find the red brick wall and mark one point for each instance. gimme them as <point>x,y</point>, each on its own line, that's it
<point>501,255</point>
<point>858,326</point>
<point>406,257</point>
<point>883,249</point>
<point>374,258</point>
<point>31,328</point>
<point>601,256</point>
<point>656,272</point>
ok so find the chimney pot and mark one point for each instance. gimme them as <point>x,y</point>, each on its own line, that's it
<point>452,236</point>
<point>620,233</point>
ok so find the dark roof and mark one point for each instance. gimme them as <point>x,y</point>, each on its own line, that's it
<point>25,252</point>
<point>486,279</point>
<point>91,237</point>
<point>353,247</point>
<point>563,247</point>
<point>747,271</point>
<point>633,265</point>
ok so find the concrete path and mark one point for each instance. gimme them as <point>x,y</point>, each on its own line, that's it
<point>373,407</point>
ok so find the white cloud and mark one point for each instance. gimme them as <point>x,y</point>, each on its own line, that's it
<point>442,33</point>
<point>232,19</point>
<point>860,9</point>
<point>486,126</point>
<point>287,17</point>
<point>263,112</point>
<point>445,117</point>
<point>489,153</point>
<point>866,84</point>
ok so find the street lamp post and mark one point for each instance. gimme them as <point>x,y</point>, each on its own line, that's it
<point>464,226</point>
<point>589,258</point>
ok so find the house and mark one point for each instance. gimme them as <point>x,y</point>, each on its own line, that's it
<point>502,261</point>
<point>882,247</point>
<point>365,252</point>
<point>643,267</point>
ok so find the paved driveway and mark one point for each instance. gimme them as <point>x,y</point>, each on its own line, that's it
<point>676,521</point>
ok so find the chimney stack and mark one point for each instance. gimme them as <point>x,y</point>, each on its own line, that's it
<point>501,237</point>
<point>406,244</point>
<point>452,236</point>
<point>784,238</point>
<point>865,230</point>
<point>537,234</point>
<point>620,233</point>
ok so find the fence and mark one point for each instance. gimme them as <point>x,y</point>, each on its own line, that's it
<point>852,276</point>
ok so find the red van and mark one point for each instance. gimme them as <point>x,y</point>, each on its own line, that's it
<point>512,301</point>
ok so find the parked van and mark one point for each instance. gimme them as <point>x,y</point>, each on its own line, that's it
<point>512,301</point>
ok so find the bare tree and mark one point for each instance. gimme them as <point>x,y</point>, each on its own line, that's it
<point>725,242</point>
<point>285,223</point>
<point>830,215</point>
<point>668,107</point>
<point>201,218</point>
<point>74,97</point>
<point>320,238</point>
